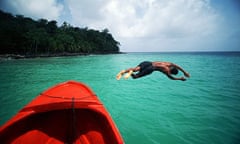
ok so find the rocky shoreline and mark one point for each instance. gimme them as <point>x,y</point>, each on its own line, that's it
<point>65,54</point>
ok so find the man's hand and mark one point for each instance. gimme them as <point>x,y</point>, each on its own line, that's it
<point>183,79</point>
<point>187,74</point>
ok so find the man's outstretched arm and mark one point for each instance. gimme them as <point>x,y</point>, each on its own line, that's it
<point>174,78</point>
<point>181,69</point>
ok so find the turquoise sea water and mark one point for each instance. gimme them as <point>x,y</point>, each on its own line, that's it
<point>205,109</point>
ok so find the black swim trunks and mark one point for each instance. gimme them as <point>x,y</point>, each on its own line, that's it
<point>145,69</point>
<point>144,65</point>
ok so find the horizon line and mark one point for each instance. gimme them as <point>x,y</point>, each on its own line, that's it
<point>174,51</point>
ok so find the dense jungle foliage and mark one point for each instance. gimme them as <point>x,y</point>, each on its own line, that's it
<point>25,36</point>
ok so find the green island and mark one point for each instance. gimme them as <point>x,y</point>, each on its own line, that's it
<point>23,37</point>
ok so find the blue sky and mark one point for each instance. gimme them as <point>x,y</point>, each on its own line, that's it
<point>146,25</point>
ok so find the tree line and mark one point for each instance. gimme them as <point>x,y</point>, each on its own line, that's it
<point>25,36</point>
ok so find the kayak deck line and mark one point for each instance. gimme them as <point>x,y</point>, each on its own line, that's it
<point>64,97</point>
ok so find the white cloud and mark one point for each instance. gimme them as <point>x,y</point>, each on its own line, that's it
<point>147,18</point>
<point>168,22</point>
<point>48,9</point>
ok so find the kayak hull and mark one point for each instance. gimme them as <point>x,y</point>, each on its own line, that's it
<point>69,112</point>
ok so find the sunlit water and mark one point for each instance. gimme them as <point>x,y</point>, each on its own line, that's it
<point>205,109</point>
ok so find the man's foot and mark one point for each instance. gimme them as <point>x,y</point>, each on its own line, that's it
<point>128,74</point>
<point>119,75</point>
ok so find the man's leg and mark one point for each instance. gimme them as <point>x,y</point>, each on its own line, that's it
<point>130,71</point>
<point>143,72</point>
